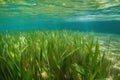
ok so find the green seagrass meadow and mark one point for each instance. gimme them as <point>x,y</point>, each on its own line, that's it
<point>52,55</point>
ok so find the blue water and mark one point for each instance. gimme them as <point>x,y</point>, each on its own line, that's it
<point>23,24</point>
<point>48,15</point>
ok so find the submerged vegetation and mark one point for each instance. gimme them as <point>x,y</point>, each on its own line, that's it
<point>52,55</point>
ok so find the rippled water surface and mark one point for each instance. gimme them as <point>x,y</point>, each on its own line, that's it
<point>83,15</point>
<point>69,10</point>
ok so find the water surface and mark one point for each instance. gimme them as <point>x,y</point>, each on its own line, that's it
<point>101,16</point>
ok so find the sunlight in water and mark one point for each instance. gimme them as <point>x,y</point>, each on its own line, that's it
<point>62,9</point>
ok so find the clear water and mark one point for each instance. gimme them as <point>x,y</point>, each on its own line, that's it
<point>83,15</point>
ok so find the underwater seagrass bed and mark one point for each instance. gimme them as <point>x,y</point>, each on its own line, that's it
<point>33,54</point>
<point>53,55</point>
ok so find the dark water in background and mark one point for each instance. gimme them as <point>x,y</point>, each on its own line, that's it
<point>98,16</point>
<point>94,26</point>
<point>21,24</point>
